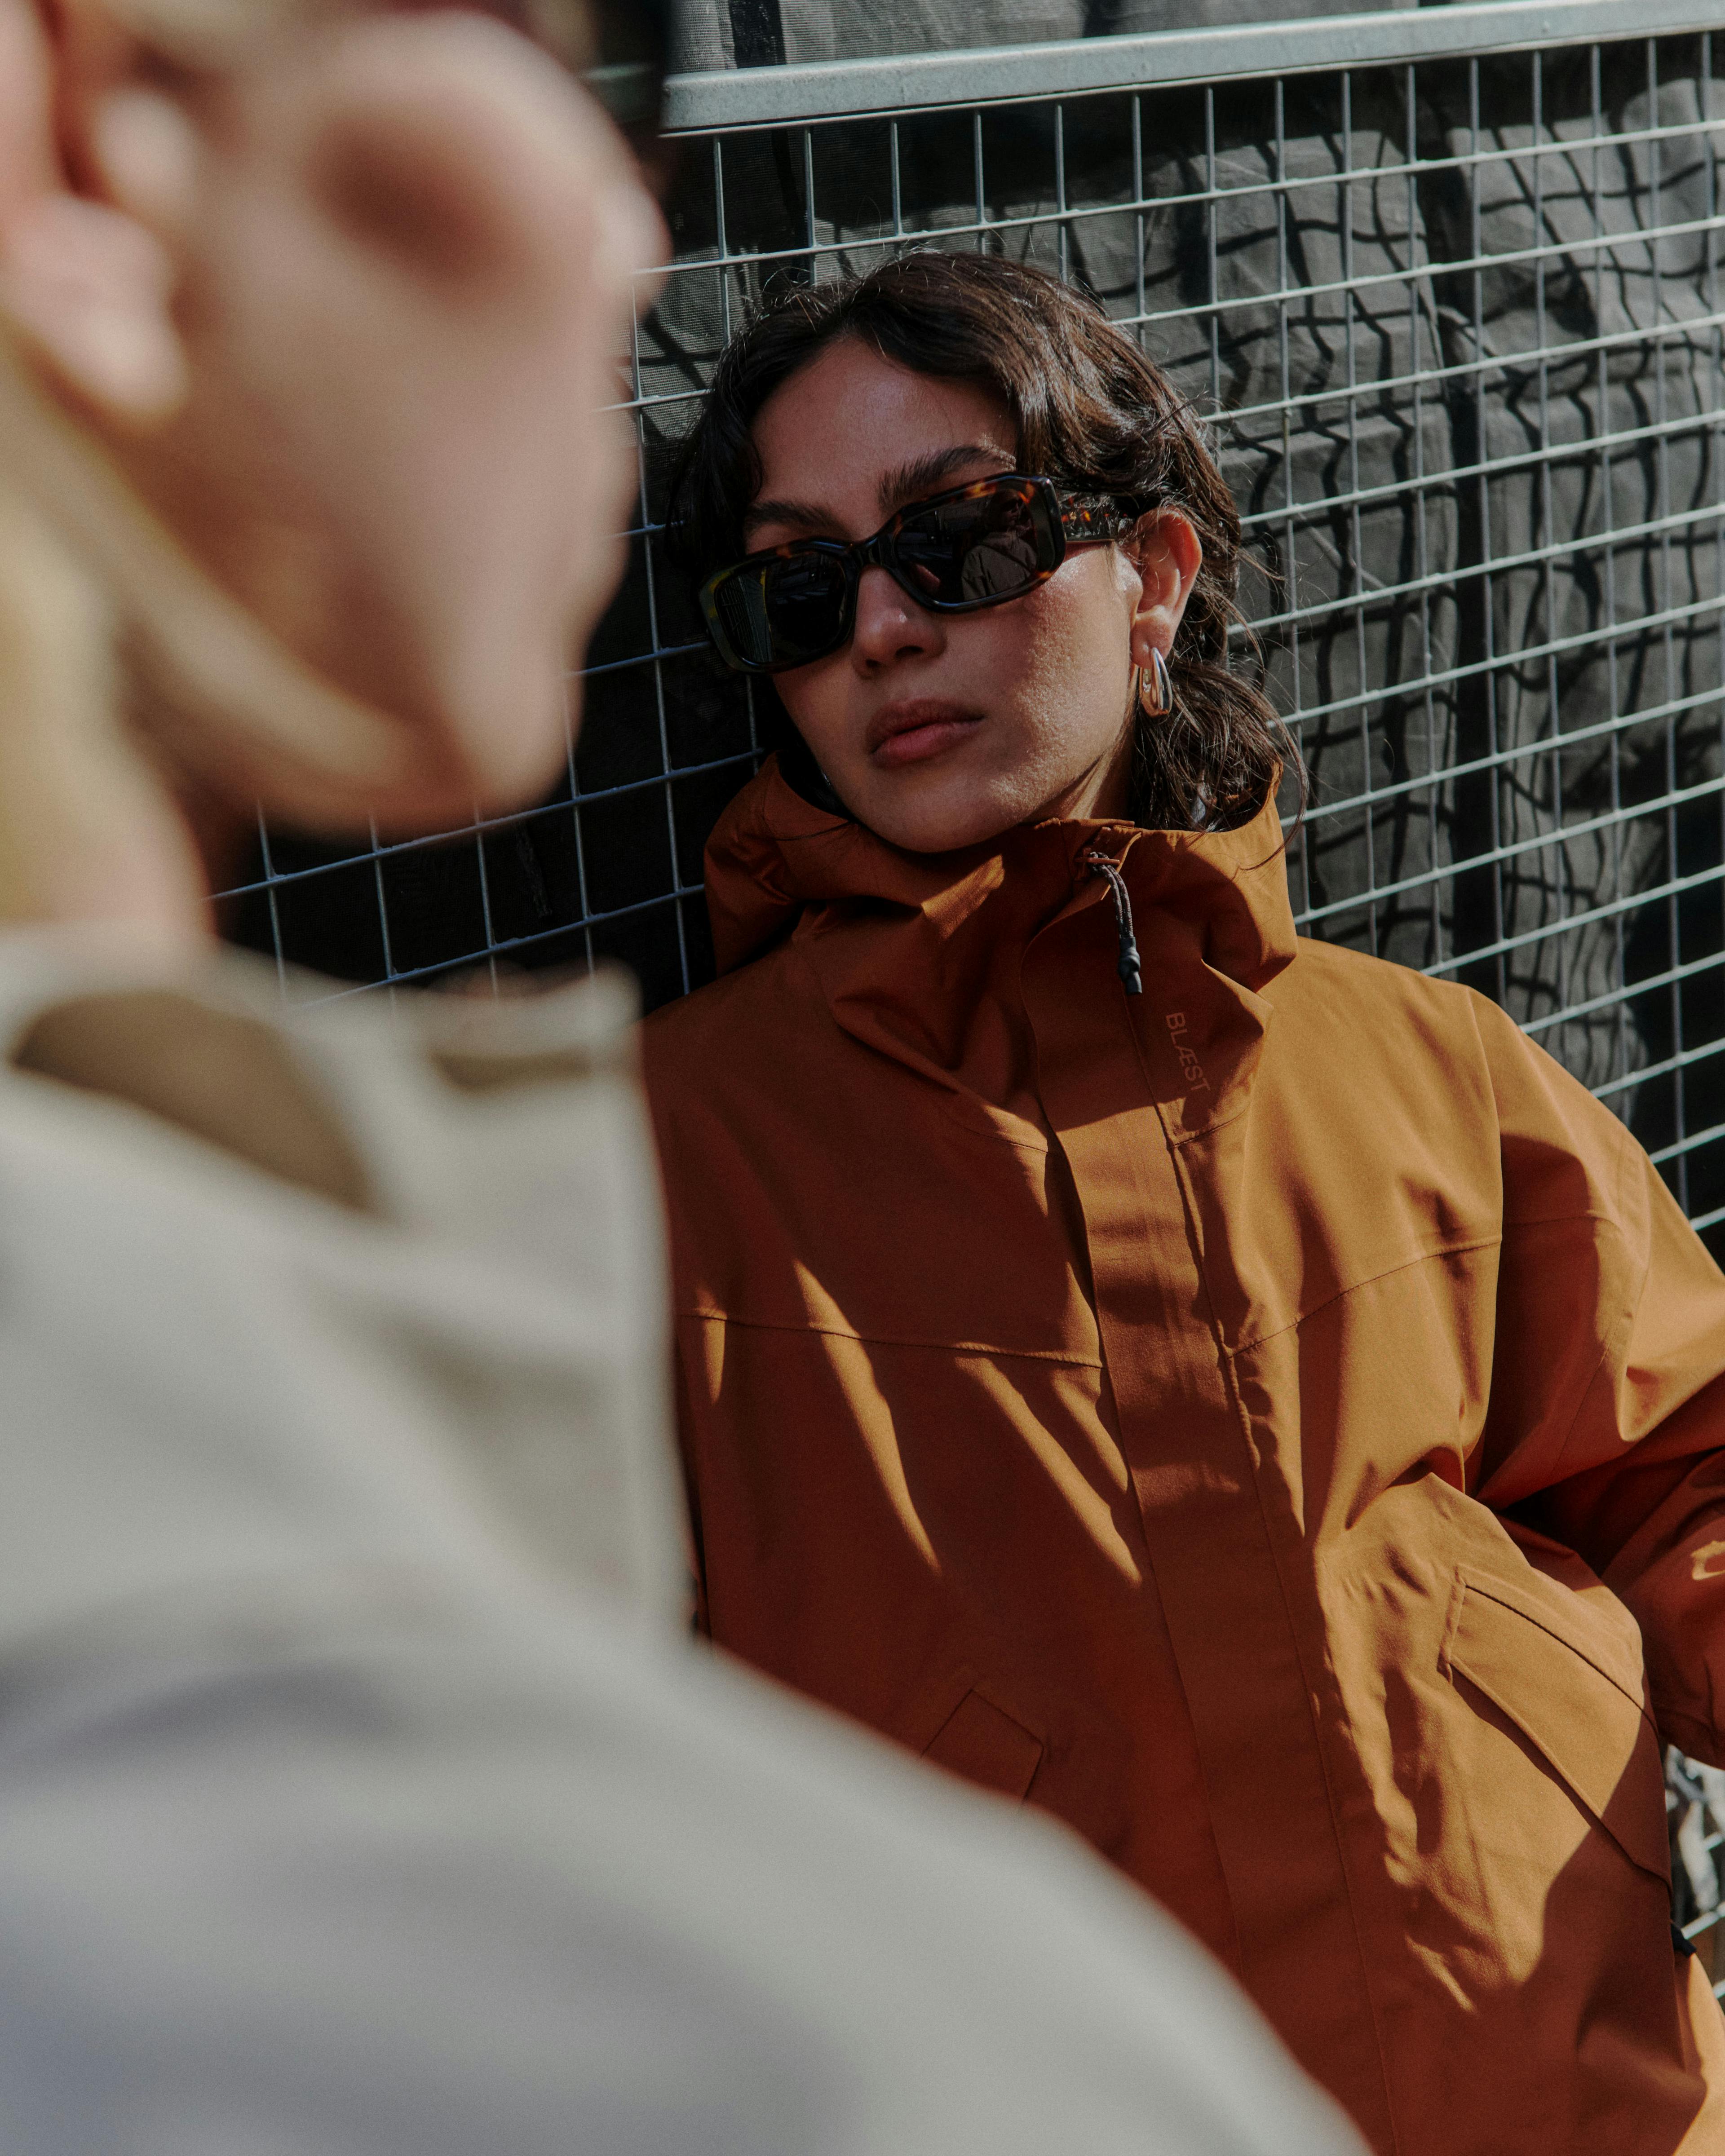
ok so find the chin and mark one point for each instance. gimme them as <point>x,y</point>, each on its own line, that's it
<point>946,830</point>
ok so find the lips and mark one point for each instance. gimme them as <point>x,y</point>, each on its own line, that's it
<point>919,728</point>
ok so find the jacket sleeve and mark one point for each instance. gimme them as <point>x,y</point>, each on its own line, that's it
<point>1605,1426</point>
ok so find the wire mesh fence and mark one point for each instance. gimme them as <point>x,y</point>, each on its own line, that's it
<point>1447,284</point>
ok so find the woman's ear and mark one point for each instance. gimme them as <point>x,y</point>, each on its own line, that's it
<point>89,165</point>
<point>1164,550</point>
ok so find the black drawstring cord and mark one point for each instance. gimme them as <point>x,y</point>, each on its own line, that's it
<point>1128,966</point>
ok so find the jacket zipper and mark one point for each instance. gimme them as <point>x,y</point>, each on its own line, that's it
<point>1127,965</point>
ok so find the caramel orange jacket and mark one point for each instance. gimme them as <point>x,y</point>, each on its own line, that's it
<point>1273,1422</point>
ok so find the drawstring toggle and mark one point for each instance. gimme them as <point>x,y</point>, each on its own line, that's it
<point>1127,966</point>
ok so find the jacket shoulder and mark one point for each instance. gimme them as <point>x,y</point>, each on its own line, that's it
<point>1564,1154</point>
<point>733,1031</point>
<point>1399,1031</point>
<point>1383,984</point>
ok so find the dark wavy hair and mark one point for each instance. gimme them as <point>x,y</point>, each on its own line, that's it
<point>1091,412</point>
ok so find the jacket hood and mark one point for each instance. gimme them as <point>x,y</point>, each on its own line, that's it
<point>774,858</point>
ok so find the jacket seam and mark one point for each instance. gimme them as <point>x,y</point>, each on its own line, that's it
<point>1483,1588</point>
<point>1176,1139</point>
<point>1321,1748</point>
<point>1452,1624</point>
<point>1558,1219</point>
<point>1366,1280</point>
<point>1314,1685</point>
<point>896,1340</point>
<point>1313,1688</point>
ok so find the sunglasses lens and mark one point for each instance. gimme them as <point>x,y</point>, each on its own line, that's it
<point>970,552</point>
<point>783,611</point>
<point>995,541</point>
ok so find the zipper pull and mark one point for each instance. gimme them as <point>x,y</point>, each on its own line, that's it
<point>1128,965</point>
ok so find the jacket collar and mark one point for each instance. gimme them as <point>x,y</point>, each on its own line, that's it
<point>774,858</point>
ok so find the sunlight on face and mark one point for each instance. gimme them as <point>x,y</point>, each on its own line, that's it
<point>941,730</point>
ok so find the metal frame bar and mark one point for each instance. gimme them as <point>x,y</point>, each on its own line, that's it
<point>730,99</point>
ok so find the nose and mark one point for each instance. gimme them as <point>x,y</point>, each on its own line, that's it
<point>891,625</point>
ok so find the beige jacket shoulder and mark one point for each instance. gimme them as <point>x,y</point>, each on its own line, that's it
<point>489,1278</point>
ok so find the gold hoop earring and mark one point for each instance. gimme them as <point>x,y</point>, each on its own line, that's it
<point>1161,686</point>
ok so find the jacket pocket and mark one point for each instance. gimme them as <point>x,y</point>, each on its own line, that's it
<point>1575,1701</point>
<point>988,1746</point>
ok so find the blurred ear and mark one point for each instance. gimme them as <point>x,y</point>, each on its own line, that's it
<point>1164,550</point>
<point>87,162</point>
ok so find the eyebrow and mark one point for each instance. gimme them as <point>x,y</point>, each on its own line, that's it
<point>923,474</point>
<point>919,475</point>
<point>801,515</point>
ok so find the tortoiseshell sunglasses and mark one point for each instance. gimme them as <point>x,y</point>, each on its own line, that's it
<point>974,547</point>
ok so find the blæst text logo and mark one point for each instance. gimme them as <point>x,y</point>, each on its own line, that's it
<point>1191,1068</point>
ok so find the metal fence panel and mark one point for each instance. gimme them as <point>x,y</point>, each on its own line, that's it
<point>1448,283</point>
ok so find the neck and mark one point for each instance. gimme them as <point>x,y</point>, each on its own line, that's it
<point>1101,791</point>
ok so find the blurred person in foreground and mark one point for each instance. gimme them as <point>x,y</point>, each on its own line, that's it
<point>356,1791</point>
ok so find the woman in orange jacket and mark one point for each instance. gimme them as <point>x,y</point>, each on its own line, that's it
<point>1233,1393</point>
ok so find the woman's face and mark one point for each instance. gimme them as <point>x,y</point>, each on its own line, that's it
<point>942,731</point>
